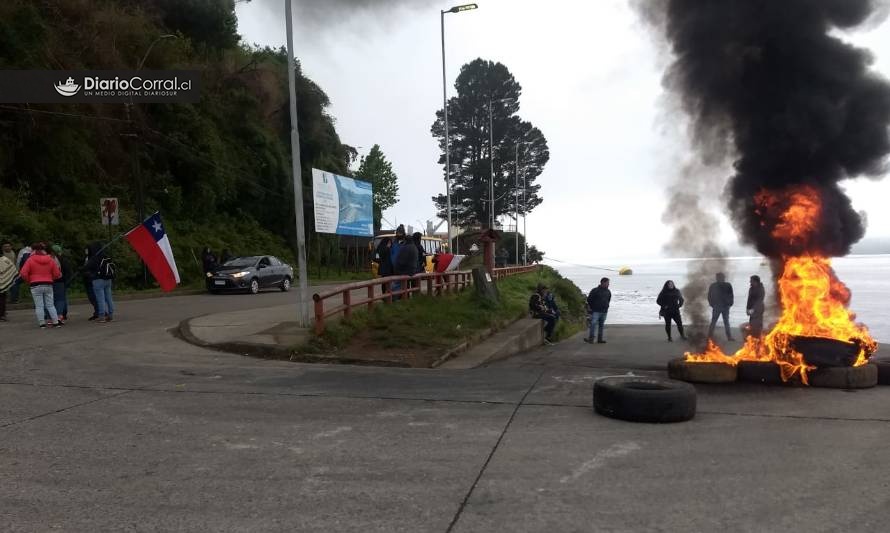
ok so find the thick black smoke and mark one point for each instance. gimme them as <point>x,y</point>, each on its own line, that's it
<point>798,105</point>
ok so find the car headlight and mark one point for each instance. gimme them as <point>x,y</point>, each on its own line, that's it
<point>237,275</point>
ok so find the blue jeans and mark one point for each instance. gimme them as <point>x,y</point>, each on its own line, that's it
<point>43,303</point>
<point>60,298</point>
<point>597,319</point>
<point>104,302</point>
<point>14,290</point>
<point>716,312</point>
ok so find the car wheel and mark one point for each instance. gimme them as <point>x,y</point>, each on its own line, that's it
<point>642,399</point>
<point>254,286</point>
<point>285,285</point>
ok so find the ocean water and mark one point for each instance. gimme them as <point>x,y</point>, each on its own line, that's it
<point>633,297</point>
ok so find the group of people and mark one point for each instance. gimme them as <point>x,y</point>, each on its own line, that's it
<point>400,256</point>
<point>542,304</point>
<point>49,273</point>
<point>670,301</point>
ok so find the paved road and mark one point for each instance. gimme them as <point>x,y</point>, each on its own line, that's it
<point>124,427</point>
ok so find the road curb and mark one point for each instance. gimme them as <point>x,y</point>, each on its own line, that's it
<point>272,351</point>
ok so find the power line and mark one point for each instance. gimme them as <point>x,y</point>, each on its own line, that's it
<point>582,266</point>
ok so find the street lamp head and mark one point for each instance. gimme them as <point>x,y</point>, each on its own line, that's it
<point>465,7</point>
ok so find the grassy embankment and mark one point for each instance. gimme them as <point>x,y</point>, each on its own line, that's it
<point>421,329</point>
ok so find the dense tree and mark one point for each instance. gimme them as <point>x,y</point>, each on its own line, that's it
<point>219,169</point>
<point>376,169</point>
<point>480,84</point>
<point>535,255</point>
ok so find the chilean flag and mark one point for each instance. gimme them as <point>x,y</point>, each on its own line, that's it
<point>151,243</point>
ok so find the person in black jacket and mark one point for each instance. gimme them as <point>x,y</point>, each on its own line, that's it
<point>755,306</point>
<point>384,260</point>
<point>670,300</point>
<point>88,276</point>
<point>720,298</point>
<point>406,259</point>
<point>537,308</point>
<point>598,302</point>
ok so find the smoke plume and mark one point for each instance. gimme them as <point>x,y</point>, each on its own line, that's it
<point>319,14</point>
<point>798,106</point>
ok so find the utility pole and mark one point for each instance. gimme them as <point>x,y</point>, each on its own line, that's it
<point>491,163</point>
<point>303,285</point>
<point>516,198</point>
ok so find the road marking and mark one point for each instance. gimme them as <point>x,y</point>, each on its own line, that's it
<point>599,460</point>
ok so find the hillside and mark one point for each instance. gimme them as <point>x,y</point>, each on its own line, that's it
<point>218,170</point>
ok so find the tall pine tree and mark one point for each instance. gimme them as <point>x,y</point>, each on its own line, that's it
<point>480,84</point>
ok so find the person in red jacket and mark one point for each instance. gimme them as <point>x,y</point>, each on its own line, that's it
<point>40,271</point>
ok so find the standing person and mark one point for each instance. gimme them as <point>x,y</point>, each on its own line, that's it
<point>8,275</point>
<point>61,285</point>
<point>8,252</point>
<point>720,298</point>
<point>405,263</point>
<point>755,306</point>
<point>397,243</point>
<point>384,260</point>
<point>670,300</point>
<point>537,308</point>
<point>102,267</point>
<point>40,271</point>
<point>598,301</point>
<point>417,239</point>
<point>87,275</point>
<point>20,259</point>
<point>208,262</point>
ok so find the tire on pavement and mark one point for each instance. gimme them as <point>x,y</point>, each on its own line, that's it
<point>764,372</point>
<point>642,399</point>
<point>846,377</point>
<point>883,372</point>
<point>701,372</point>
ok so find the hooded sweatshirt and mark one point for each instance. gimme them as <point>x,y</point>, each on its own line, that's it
<point>40,269</point>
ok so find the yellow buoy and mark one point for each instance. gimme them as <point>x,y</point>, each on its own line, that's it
<point>625,271</point>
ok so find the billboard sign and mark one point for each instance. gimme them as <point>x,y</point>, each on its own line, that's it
<point>342,205</point>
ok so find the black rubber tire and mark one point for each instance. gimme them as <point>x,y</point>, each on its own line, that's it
<point>254,287</point>
<point>285,284</point>
<point>848,377</point>
<point>701,372</point>
<point>883,372</point>
<point>642,399</point>
<point>760,372</point>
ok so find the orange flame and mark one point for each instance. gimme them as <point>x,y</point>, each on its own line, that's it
<point>813,300</point>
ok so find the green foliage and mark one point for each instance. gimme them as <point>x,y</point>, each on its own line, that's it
<point>376,169</point>
<point>516,143</point>
<point>535,255</point>
<point>218,170</point>
<point>440,323</point>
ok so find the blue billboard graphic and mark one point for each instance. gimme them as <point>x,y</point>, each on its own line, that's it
<point>342,205</point>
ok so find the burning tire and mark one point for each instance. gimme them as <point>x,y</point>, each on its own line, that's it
<point>760,372</point>
<point>639,399</point>
<point>883,372</point>
<point>701,372</point>
<point>850,377</point>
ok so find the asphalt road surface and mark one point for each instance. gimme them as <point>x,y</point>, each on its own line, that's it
<point>124,427</point>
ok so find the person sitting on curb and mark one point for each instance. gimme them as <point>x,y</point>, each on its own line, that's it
<point>598,302</point>
<point>537,308</point>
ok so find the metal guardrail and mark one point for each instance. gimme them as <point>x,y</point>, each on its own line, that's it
<point>433,284</point>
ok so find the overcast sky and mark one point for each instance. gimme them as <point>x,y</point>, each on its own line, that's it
<point>590,74</point>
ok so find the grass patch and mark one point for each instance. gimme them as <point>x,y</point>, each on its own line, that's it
<point>432,325</point>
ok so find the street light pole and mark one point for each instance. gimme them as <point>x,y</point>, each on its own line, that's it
<point>491,162</point>
<point>455,9</point>
<point>516,199</point>
<point>303,285</point>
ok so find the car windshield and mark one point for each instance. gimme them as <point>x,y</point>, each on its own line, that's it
<point>241,262</point>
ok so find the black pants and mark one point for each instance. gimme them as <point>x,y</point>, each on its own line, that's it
<point>549,324</point>
<point>675,316</point>
<point>2,304</point>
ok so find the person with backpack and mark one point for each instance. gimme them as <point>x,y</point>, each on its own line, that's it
<point>102,268</point>
<point>40,271</point>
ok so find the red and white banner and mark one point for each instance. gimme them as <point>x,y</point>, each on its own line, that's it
<point>151,243</point>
